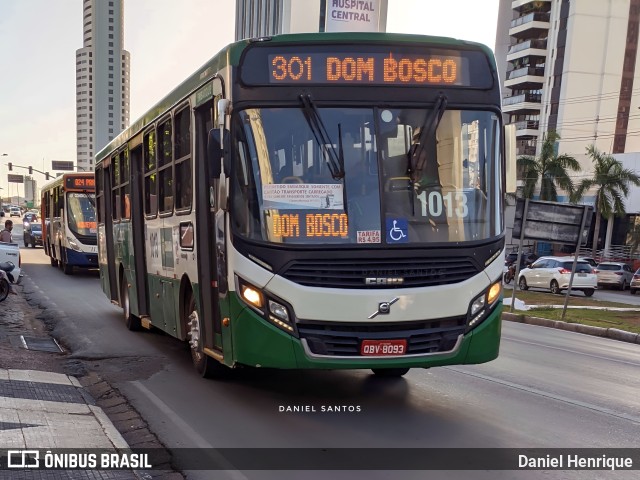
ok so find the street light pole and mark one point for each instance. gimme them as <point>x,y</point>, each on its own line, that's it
<point>1,206</point>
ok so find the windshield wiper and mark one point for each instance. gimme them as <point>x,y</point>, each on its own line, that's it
<point>417,160</point>
<point>92,201</point>
<point>312,116</point>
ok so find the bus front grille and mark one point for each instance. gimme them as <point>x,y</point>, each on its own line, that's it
<point>392,273</point>
<point>344,339</point>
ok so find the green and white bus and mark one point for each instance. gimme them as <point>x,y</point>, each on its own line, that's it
<point>325,201</point>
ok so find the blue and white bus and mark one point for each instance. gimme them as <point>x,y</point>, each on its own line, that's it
<point>69,233</point>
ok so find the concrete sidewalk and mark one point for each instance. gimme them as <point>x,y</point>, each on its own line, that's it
<point>44,406</point>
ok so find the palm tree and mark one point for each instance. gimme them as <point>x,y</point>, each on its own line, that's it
<point>611,181</point>
<point>550,168</point>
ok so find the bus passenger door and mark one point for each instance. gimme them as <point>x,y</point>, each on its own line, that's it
<point>213,299</point>
<point>108,229</point>
<point>137,224</point>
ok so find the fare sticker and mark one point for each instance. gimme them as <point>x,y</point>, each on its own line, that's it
<point>368,236</point>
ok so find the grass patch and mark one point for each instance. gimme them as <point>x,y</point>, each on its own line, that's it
<point>628,321</point>
<point>578,299</point>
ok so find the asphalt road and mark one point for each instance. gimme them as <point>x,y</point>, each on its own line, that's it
<point>549,388</point>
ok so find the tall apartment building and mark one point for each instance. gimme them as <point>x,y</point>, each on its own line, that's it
<point>102,79</point>
<point>258,18</point>
<point>571,66</point>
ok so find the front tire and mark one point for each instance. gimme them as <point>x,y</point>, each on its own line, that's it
<point>588,292</point>
<point>131,321</point>
<point>5,288</point>
<point>67,269</point>
<point>507,278</point>
<point>205,365</point>
<point>523,284</point>
<point>389,372</point>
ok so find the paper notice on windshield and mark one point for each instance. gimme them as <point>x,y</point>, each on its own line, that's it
<point>293,196</point>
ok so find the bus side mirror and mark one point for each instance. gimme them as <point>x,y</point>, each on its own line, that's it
<point>218,152</point>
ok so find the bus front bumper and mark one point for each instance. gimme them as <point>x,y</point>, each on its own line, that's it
<point>257,343</point>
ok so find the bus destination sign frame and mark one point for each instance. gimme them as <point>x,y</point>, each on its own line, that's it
<point>79,183</point>
<point>402,65</point>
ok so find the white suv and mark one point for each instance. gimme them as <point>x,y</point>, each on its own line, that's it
<point>15,212</point>
<point>553,273</point>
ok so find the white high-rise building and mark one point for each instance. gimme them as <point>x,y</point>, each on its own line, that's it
<point>571,67</point>
<point>102,79</point>
<point>259,18</point>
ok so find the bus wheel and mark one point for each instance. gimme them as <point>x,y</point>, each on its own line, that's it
<point>206,366</point>
<point>131,321</point>
<point>67,269</point>
<point>389,372</point>
<point>5,288</point>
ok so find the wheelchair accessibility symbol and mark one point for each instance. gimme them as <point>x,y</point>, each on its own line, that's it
<point>397,230</point>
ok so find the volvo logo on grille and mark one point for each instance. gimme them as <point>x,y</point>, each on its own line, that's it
<point>384,308</point>
<point>383,281</point>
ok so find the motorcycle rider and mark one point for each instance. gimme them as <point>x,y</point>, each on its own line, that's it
<point>5,235</point>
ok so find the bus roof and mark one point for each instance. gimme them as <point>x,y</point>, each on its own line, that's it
<point>231,54</point>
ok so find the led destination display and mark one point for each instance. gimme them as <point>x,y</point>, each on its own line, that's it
<point>401,66</point>
<point>80,183</point>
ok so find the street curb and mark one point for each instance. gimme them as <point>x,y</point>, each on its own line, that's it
<point>109,429</point>
<point>612,333</point>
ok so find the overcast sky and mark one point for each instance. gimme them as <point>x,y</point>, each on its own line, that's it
<point>39,38</point>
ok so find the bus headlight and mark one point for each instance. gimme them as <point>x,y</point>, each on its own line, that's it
<point>251,295</point>
<point>481,306</point>
<point>277,313</point>
<point>73,244</point>
<point>278,310</point>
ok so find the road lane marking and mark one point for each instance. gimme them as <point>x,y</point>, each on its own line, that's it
<point>634,364</point>
<point>552,396</point>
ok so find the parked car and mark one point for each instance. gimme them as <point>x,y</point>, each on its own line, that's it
<point>553,273</point>
<point>15,212</point>
<point>33,234</point>
<point>614,274</point>
<point>590,261</point>
<point>634,286</point>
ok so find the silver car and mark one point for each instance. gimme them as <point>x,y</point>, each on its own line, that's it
<point>614,274</point>
<point>634,286</point>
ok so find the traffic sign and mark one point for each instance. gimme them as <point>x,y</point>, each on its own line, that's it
<point>61,165</point>
<point>12,178</point>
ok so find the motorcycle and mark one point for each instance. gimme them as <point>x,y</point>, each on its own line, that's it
<point>7,277</point>
<point>509,273</point>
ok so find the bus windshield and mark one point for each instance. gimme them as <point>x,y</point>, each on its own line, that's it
<point>351,176</point>
<point>81,213</point>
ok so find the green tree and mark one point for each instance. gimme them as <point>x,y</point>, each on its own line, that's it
<point>550,168</point>
<point>633,237</point>
<point>611,183</point>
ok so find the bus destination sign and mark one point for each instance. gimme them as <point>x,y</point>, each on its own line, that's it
<point>73,182</point>
<point>372,69</point>
<point>366,65</point>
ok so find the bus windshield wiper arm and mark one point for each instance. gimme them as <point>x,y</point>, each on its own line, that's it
<point>417,160</point>
<point>312,116</point>
<point>92,201</point>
